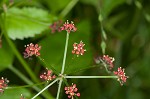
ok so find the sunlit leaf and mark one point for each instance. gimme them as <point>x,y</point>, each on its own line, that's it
<point>26,22</point>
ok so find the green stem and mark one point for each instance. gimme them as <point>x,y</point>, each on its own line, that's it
<point>44,89</point>
<point>65,53</point>
<point>14,49</point>
<point>59,87</point>
<point>90,77</point>
<point>24,64</point>
<point>103,34</point>
<point>63,65</point>
<point>32,85</point>
<point>68,8</point>
<point>104,64</point>
<point>25,79</point>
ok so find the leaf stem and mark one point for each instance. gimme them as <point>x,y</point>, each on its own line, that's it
<point>16,87</point>
<point>65,53</point>
<point>25,79</point>
<point>63,65</point>
<point>90,77</point>
<point>59,87</point>
<point>68,8</point>
<point>44,89</point>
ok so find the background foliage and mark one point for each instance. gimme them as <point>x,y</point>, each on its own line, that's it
<point>125,22</point>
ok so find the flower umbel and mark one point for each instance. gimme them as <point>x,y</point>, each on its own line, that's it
<point>31,50</point>
<point>47,75</point>
<point>78,48</point>
<point>69,27</point>
<point>3,84</point>
<point>72,91</point>
<point>56,26</point>
<point>108,61</point>
<point>121,75</point>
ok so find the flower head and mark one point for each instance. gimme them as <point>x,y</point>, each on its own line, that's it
<point>3,84</point>
<point>78,48</point>
<point>47,75</point>
<point>56,26</point>
<point>121,75</point>
<point>71,91</point>
<point>31,50</point>
<point>69,27</point>
<point>108,60</point>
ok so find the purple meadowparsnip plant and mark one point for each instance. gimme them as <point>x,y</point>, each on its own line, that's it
<point>121,75</point>
<point>3,84</point>
<point>50,76</point>
<point>71,91</point>
<point>47,75</point>
<point>69,27</point>
<point>31,49</point>
<point>78,48</point>
<point>56,26</point>
<point>106,61</point>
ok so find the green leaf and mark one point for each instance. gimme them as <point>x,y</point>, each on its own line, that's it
<point>15,93</point>
<point>6,56</point>
<point>26,22</point>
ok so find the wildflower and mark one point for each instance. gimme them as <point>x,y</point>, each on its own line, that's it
<point>108,60</point>
<point>78,48</point>
<point>31,50</point>
<point>56,26</point>
<point>121,75</point>
<point>69,27</point>
<point>3,84</point>
<point>72,91</point>
<point>47,75</point>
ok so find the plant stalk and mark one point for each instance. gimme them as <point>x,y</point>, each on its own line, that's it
<point>44,89</point>
<point>90,77</point>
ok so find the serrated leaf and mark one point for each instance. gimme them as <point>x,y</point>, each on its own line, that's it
<point>26,22</point>
<point>6,56</point>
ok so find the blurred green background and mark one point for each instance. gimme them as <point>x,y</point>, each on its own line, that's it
<point>126,23</point>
